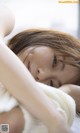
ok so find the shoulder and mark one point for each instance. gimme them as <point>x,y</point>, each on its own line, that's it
<point>7,21</point>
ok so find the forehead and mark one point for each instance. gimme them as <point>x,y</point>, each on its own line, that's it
<point>42,49</point>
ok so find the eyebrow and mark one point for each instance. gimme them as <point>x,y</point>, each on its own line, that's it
<point>62,61</point>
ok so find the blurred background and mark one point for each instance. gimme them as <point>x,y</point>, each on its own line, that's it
<point>45,14</point>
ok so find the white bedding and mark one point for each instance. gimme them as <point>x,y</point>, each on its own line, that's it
<point>61,101</point>
<point>76,125</point>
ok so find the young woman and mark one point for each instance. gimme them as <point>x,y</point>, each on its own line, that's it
<point>50,69</point>
<point>52,58</point>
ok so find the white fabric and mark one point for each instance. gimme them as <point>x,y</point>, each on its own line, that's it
<point>61,101</point>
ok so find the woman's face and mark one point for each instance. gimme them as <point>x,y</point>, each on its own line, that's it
<point>45,66</point>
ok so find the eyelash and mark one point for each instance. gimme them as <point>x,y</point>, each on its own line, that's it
<point>51,83</point>
<point>54,61</point>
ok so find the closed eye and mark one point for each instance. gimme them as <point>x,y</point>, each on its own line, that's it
<point>51,83</point>
<point>54,63</point>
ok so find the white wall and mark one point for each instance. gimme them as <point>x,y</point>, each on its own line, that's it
<point>44,14</point>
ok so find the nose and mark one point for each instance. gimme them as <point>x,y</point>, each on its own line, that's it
<point>42,74</point>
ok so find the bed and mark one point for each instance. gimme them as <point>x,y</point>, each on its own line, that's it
<point>76,124</point>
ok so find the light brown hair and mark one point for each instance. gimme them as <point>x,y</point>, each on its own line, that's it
<point>63,43</point>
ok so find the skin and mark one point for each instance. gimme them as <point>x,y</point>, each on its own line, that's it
<point>45,69</point>
<point>7,21</point>
<point>15,120</point>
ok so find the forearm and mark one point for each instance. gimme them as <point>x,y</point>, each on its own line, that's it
<point>7,21</point>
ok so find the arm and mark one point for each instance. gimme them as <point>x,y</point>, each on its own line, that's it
<point>74,92</point>
<point>20,83</point>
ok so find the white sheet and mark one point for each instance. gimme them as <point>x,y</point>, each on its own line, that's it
<point>7,102</point>
<point>76,125</point>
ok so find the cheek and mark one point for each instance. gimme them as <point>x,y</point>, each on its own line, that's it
<point>68,75</point>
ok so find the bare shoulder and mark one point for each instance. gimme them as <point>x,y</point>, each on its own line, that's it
<point>7,21</point>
